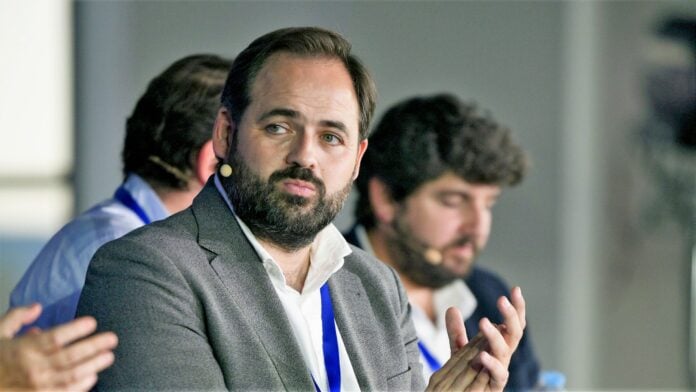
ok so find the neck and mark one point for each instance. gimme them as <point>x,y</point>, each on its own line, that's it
<point>418,295</point>
<point>176,200</point>
<point>295,264</point>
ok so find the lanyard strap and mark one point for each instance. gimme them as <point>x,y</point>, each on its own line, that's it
<point>127,200</point>
<point>329,342</point>
<point>432,362</point>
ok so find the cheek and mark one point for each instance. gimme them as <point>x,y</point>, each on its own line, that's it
<point>337,172</point>
<point>261,159</point>
<point>486,227</point>
<point>434,228</point>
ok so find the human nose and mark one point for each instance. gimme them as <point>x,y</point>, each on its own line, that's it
<point>475,220</point>
<point>302,152</point>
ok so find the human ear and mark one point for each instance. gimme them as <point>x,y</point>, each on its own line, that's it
<point>205,164</point>
<point>362,147</point>
<point>381,202</point>
<point>223,130</point>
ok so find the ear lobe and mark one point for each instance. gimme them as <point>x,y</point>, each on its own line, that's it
<point>223,129</point>
<point>383,206</point>
<point>205,164</point>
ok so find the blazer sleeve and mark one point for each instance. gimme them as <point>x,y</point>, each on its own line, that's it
<point>134,289</point>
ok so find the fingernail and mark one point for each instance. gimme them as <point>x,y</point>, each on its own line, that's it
<point>486,322</point>
<point>506,302</point>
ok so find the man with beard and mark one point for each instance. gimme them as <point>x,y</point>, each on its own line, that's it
<point>252,287</point>
<point>433,172</point>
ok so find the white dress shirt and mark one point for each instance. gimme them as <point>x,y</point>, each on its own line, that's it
<point>304,309</point>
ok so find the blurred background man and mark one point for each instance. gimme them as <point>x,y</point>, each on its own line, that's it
<point>167,157</point>
<point>429,180</point>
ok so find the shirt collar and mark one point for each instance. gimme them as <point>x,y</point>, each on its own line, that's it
<point>146,197</point>
<point>327,253</point>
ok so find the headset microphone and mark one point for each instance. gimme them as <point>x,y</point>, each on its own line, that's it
<point>432,256</point>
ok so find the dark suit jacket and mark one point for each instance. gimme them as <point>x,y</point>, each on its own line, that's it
<point>194,309</point>
<point>487,287</point>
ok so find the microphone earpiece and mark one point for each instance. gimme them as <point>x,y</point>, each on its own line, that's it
<point>225,170</point>
<point>433,256</point>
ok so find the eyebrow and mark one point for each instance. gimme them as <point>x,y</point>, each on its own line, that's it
<point>285,112</point>
<point>279,112</point>
<point>464,193</point>
<point>338,125</point>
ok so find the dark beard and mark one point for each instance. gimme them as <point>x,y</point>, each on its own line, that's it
<point>287,221</point>
<point>407,254</point>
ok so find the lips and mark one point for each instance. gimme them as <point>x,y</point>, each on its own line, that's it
<point>299,187</point>
<point>466,250</point>
<point>298,181</point>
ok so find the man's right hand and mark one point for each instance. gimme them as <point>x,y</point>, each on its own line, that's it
<point>62,358</point>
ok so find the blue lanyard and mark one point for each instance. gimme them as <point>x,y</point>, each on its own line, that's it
<point>433,363</point>
<point>329,342</point>
<point>127,200</point>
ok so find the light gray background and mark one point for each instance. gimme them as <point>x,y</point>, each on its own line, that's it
<point>606,297</point>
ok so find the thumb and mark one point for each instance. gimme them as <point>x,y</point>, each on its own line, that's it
<point>11,322</point>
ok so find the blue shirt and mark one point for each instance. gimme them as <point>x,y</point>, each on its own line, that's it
<point>56,276</point>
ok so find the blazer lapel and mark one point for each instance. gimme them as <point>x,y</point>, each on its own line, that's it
<point>241,271</point>
<point>356,322</point>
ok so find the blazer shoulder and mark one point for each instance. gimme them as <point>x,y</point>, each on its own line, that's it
<point>359,259</point>
<point>376,277</point>
<point>177,231</point>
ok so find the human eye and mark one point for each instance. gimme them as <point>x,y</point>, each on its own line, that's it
<point>276,129</point>
<point>331,139</point>
<point>451,200</point>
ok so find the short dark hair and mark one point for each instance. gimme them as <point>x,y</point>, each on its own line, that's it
<point>301,41</point>
<point>173,119</point>
<point>421,138</point>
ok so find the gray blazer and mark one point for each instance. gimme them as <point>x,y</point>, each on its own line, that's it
<point>194,309</point>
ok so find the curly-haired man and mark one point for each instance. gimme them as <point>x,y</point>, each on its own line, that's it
<point>433,171</point>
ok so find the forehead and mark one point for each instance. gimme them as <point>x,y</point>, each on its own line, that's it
<point>319,88</point>
<point>450,182</point>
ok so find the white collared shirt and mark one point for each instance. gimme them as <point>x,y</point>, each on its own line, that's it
<point>304,309</point>
<point>433,336</point>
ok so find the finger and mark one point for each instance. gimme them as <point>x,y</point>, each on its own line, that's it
<point>55,338</point>
<point>513,329</point>
<point>497,371</point>
<point>84,350</point>
<point>83,385</point>
<point>480,383</point>
<point>456,367</point>
<point>519,303</point>
<point>455,329</point>
<point>33,331</point>
<point>497,345</point>
<point>464,380</point>
<point>479,341</point>
<point>11,322</point>
<point>86,370</point>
